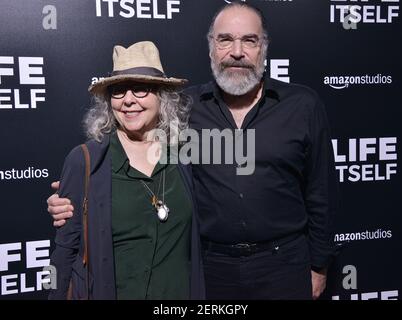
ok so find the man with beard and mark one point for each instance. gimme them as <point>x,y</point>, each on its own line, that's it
<point>267,235</point>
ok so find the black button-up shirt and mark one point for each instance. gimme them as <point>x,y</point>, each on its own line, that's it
<point>293,188</point>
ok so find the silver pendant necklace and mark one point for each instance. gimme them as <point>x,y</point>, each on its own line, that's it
<point>161,208</point>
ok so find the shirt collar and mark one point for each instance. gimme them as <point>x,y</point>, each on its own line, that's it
<point>119,156</point>
<point>120,160</point>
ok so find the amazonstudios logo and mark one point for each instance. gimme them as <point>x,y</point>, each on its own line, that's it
<point>346,81</point>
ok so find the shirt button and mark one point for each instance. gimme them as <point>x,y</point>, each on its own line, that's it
<point>241,195</point>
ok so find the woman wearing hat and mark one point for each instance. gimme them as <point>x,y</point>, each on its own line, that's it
<point>140,238</point>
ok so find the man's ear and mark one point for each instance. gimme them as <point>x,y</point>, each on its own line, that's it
<point>210,53</point>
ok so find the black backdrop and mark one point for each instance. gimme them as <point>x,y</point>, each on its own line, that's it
<point>51,50</point>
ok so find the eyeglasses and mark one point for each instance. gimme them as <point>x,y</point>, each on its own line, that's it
<point>226,41</point>
<point>139,91</point>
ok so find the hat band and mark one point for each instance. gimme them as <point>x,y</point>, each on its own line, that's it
<point>144,71</point>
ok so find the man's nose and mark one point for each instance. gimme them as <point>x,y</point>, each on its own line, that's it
<point>237,49</point>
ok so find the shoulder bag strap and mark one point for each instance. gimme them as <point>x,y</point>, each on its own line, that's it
<point>85,259</point>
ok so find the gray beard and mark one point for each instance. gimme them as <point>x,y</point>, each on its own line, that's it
<point>236,83</point>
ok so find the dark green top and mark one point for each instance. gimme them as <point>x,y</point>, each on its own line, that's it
<point>152,258</point>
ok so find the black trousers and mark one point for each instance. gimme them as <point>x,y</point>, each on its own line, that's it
<point>283,273</point>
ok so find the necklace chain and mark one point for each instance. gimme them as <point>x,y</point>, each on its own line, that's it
<point>152,194</point>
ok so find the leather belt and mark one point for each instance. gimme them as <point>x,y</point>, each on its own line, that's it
<point>246,248</point>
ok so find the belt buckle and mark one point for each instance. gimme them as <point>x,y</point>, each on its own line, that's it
<point>241,245</point>
<point>244,249</point>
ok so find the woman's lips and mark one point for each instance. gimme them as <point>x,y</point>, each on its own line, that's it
<point>131,114</point>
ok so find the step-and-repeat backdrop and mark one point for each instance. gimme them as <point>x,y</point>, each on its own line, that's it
<point>347,50</point>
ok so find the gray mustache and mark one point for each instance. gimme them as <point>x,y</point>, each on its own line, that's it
<point>228,64</point>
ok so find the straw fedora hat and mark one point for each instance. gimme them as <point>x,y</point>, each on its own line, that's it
<point>140,63</point>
